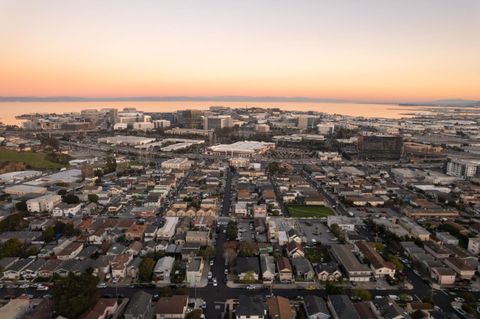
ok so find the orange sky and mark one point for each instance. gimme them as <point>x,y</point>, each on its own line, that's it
<point>375,50</point>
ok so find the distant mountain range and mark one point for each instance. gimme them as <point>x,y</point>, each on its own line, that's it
<point>278,99</point>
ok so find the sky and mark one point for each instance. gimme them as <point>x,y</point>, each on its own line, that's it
<point>377,50</point>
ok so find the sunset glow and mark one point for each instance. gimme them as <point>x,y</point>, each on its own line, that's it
<point>376,50</point>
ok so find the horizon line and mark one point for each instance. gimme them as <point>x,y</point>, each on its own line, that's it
<point>227,98</point>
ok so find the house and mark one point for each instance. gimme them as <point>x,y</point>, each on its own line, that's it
<point>443,275</point>
<point>315,307</point>
<point>48,269</point>
<point>197,237</point>
<point>250,307</point>
<point>279,307</point>
<point>294,250</point>
<point>163,268</point>
<point>14,271</point>
<point>16,308</point>
<point>174,307</point>
<point>134,248</point>
<point>135,232</point>
<point>31,271</point>
<point>118,265</point>
<point>328,271</point>
<point>380,267</point>
<point>341,307</point>
<point>461,267</point>
<point>139,307</point>
<point>66,210</point>
<point>389,309</point>
<point>285,273</point>
<point>303,269</point>
<point>293,236</point>
<point>70,251</point>
<point>248,268</point>
<point>103,309</point>
<point>194,273</point>
<point>267,265</point>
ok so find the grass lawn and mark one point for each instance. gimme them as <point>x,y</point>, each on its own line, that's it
<point>309,211</point>
<point>34,160</point>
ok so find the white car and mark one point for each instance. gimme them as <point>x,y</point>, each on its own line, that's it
<point>42,288</point>
<point>459,299</point>
<point>215,283</point>
<point>394,297</point>
<point>211,263</point>
<point>251,287</point>
<point>210,275</point>
<point>102,285</point>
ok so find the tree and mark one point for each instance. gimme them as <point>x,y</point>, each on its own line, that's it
<point>208,252</point>
<point>182,291</point>
<point>195,314</point>
<point>93,198</point>
<point>74,295</point>
<point>71,199</point>
<point>249,277</point>
<point>62,192</point>
<point>13,222</point>
<point>363,294</point>
<point>332,289</point>
<point>379,247</point>
<point>21,206</point>
<point>48,234</point>
<point>396,262</point>
<point>232,230</point>
<point>12,248</point>
<point>110,164</point>
<point>145,269</point>
<point>247,249</point>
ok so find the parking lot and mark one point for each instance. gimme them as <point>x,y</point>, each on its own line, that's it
<point>315,231</point>
<point>245,230</point>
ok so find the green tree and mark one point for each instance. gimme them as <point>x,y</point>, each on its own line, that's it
<point>332,289</point>
<point>208,252</point>
<point>12,248</point>
<point>93,198</point>
<point>74,295</point>
<point>396,262</point>
<point>247,249</point>
<point>62,192</point>
<point>48,234</point>
<point>110,164</point>
<point>71,199</point>
<point>232,230</point>
<point>145,269</point>
<point>21,206</point>
<point>363,294</point>
<point>249,277</point>
<point>14,222</point>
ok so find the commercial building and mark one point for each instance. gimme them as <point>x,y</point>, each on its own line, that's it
<point>241,149</point>
<point>22,190</point>
<point>325,128</point>
<point>306,121</point>
<point>190,118</point>
<point>212,122</point>
<point>44,203</point>
<point>350,264</point>
<point>194,271</point>
<point>126,140</point>
<point>374,146</point>
<point>177,163</point>
<point>463,168</point>
<point>15,177</point>
<point>262,128</point>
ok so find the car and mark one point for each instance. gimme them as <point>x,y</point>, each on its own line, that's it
<point>156,297</point>
<point>215,283</point>
<point>394,297</point>
<point>210,275</point>
<point>459,299</point>
<point>225,271</point>
<point>211,263</point>
<point>102,285</point>
<point>42,288</point>
<point>250,287</point>
<point>24,286</point>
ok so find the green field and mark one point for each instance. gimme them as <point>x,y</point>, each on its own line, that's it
<point>34,160</point>
<point>309,211</point>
